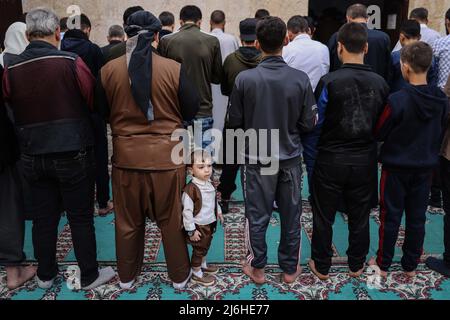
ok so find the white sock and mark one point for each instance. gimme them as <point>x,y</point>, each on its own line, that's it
<point>181,286</point>
<point>127,286</point>
<point>198,274</point>
<point>204,265</point>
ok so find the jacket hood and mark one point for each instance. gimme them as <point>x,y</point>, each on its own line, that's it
<point>75,41</point>
<point>428,100</point>
<point>249,56</point>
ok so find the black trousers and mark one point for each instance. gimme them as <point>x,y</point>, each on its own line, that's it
<point>436,189</point>
<point>403,191</point>
<point>65,181</point>
<point>330,183</point>
<point>230,169</point>
<point>260,192</point>
<point>445,176</point>
<point>101,161</point>
<point>12,220</point>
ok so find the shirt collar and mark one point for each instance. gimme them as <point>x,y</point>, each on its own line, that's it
<point>302,36</point>
<point>423,25</point>
<point>189,25</point>
<point>217,30</point>
<point>40,44</point>
<point>272,59</point>
<point>356,66</point>
<point>199,182</point>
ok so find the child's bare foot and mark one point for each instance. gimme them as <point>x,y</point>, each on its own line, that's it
<point>20,276</point>
<point>257,275</point>
<point>356,274</point>
<point>291,278</point>
<point>373,262</point>
<point>322,277</point>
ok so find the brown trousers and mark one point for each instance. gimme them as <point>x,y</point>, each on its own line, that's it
<point>200,249</point>
<point>155,195</point>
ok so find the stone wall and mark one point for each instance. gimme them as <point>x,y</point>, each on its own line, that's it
<point>437,10</point>
<point>104,13</point>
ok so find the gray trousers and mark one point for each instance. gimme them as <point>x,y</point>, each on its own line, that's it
<point>260,192</point>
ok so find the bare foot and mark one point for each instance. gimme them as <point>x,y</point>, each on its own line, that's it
<point>291,278</point>
<point>373,262</point>
<point>312,266</point>
<point>18,277</point>
<point>356,274</point>
<point>105,211</point>
<point>257,275</point>
<point>411,274</point>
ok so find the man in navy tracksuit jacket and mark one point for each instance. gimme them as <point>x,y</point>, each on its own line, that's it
<point>411,127</point>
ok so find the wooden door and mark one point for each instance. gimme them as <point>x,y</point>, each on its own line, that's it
<point>10,12</point>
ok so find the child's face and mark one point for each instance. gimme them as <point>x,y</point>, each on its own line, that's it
<point>202,169</point>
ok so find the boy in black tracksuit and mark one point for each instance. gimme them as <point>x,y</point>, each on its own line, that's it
<point>411,127</point>
<point>350,102</point>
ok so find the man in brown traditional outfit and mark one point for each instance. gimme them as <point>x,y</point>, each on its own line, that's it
<point>146,98</point>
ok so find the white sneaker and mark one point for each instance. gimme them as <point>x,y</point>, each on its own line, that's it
<point>45,284</point>
<point>127,286</point>
<point>181,286</point>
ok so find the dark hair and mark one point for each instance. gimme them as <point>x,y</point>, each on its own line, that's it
<point>420,14</point>
<point>199,153</point>
<point>63,24</point>
<point>357,11</point>
<point>418,56</point>
<point>85,22</point>
<point>116,31</point>
<point>129,12</point>
<point>271,32</point>
<point>191,13</point>
<point>262,13</point>
<point>298,24</point>
<point>353,36</point>
<point>167,19</point>
<point>447,14</point>
<point>410,29</point>
<point>311,23</point>
<point>218,17</point>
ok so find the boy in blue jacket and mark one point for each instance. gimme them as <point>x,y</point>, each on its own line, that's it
<point>411,128</point>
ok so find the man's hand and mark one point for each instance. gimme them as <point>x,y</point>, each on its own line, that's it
<point>196,237</point>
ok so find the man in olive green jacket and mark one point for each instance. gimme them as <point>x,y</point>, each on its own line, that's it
<point>200,55</point>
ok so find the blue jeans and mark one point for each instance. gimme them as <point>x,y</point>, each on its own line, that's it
<point>207,124</point>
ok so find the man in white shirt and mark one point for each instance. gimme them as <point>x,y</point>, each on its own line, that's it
<point>228,45</point>
<point>313,58</point>
<point>305,54</point>
<point>428,35</point>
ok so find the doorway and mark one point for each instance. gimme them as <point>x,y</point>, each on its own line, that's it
<point>330,15</point>
<point>10,12</point>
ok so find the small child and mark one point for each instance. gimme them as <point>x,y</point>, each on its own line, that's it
<point>411,128</point>
<point>200,214</point>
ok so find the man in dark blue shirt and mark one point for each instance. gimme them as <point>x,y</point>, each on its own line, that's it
<point>409,34</point>
<point>379,54</point>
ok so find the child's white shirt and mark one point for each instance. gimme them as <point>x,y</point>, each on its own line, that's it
<point>207,213</point>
